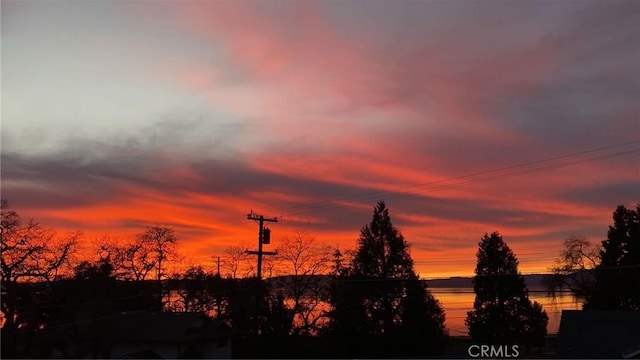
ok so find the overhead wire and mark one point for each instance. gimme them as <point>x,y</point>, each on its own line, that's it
<point>401,191</point>
<point>400,188</point>
<point>390,193</point>
<point>483,180</point>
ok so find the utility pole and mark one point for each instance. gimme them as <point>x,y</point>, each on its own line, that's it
<point>261,239</point>
<point>264,237</point>
<point>218,297</point>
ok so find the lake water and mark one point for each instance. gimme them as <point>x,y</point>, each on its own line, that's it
<point>457,301</point>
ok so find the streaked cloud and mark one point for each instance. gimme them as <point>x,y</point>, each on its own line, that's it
<point>193,113</point>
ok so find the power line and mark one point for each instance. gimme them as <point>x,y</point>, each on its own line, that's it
<point>400,188</point>
<point>398,191</point>
<point>492,178</point>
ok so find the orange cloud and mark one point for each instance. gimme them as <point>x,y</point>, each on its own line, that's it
<point>338,120</point>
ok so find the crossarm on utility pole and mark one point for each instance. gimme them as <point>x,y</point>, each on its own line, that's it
<point>261,220</point>
<point>251,252</point>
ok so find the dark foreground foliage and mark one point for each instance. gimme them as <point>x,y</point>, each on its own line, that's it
<point>326,347</point>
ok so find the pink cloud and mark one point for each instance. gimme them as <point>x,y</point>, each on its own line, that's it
<point>326,110</point>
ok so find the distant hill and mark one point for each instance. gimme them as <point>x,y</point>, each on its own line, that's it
<point>533,281</point>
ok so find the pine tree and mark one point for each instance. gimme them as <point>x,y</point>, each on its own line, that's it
<point>503,313</point>
<point>617,286</point>
<point>347,314</point>
<point>381,296</point>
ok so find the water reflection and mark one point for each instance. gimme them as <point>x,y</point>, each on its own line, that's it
<point>457,301</point>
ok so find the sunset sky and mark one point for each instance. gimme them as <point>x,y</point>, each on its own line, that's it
<point>121,114</point>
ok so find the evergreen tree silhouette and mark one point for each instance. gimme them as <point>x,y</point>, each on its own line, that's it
<point>379,295</point>
<point>617,286</point>
<point>502,312</point>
